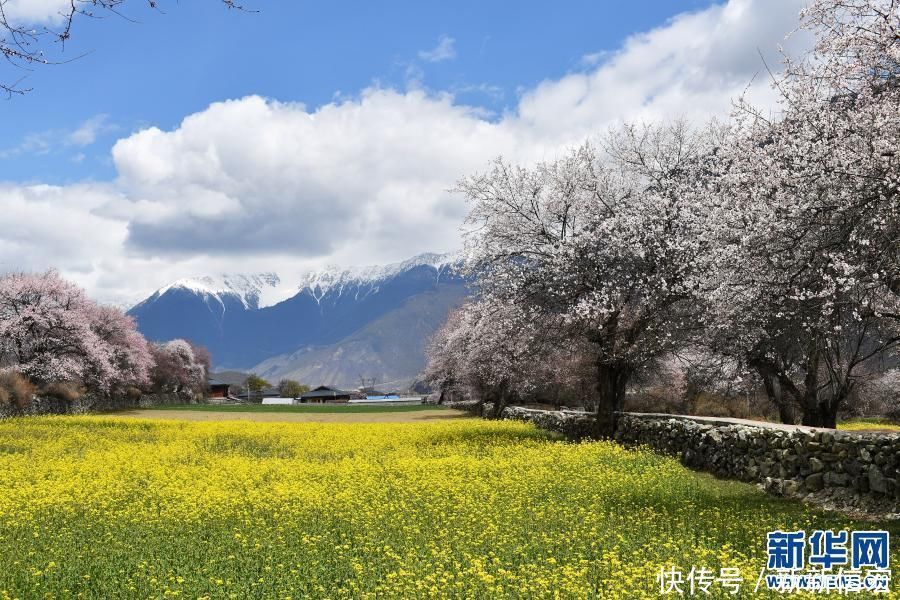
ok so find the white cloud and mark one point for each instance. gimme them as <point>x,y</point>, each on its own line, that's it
<point>445,50</point>
<point>693,66</point>
<point>45,142</point>
<point>374,169</point>
<point>35,12</point>
<point>50,226</point>
<point>87,132</point>
<point>257,185</point>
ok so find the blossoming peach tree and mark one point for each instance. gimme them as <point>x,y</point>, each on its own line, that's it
<point>51,332</point>
<point>806,216</point>
<point>602,242</point>
<point>772,242</point>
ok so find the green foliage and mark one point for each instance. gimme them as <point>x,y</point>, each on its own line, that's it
<point>256,385</point>
<point>289,388</point>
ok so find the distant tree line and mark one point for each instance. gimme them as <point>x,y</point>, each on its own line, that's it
<point>763,249</point>
<point>287,388</point>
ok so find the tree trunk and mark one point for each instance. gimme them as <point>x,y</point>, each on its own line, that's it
<point>823,414</point>
<point>816,411</point>
<point>786,412</point>
<point>500,401</point>
<point>611,382</point>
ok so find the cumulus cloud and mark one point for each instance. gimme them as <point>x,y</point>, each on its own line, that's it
<point>445,50</point>
<point>254,184</point>
<point>311,182</point>
<point>693,66</point>
<point>51,226</point>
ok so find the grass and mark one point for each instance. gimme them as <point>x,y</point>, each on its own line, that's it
<point>111,507</point>
<point>869,424</point>
<point>300,408</point>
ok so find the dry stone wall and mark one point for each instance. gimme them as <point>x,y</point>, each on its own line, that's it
<point>786,460</point>
<point>837,469</point>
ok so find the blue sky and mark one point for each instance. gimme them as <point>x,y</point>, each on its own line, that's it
<point>203,141</point>
<point>172,64</point>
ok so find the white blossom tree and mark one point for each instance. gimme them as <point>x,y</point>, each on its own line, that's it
<point>806,216</point>
<point>604,241</point>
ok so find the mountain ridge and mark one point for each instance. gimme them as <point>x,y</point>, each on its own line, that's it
<point>246,320</point>
<point>251,289</point>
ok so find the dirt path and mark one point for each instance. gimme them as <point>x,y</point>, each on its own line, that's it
<point>385,417</point>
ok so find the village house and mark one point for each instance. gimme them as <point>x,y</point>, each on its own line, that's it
<point>323,394</point>
<point>219,389</point>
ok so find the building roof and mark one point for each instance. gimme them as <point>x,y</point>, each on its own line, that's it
<point>323,391</point>
<point>266,393</point>
<point>218,382</point>
<point>232,377</point>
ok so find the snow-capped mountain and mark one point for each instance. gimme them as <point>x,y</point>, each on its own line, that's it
<point>245,320</point>
<point>251,290</point>
<point>268,289</point>
<point>336,281</point>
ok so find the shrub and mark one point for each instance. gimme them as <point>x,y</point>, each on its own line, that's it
<point>17,389</point>
<point>63,390</point>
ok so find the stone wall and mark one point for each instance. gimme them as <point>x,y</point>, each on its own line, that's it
<point>842,470</point>
<point>92,404</point>
<point>786,460</point>
<point>575,425</point>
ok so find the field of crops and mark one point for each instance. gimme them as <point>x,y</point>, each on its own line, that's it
<point>300,408</point>
<point>869,425</point>
<point>107,507</point>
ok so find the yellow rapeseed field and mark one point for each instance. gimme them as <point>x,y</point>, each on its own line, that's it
<point>106,507</point>
<point>869,425</point>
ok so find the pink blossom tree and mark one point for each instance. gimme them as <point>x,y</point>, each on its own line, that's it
<point>490,350</point>
<point>127,352</point>
<point>445,353</point>
<point>51,332</point>
<point>45,327</point>
<point>179,366</point>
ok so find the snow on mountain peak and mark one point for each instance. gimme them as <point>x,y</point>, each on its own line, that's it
<point>319,283</point>
<point>267,289</point>
<point>249,289</point>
